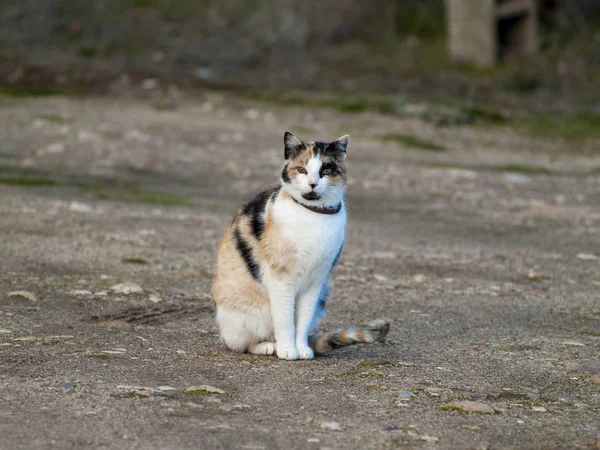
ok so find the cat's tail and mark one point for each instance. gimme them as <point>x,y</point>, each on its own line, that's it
<point>323,343</point>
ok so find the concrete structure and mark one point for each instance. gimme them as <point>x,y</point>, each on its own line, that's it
<point>482,31</point>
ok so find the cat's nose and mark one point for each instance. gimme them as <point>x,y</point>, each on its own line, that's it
<point>312,184</point>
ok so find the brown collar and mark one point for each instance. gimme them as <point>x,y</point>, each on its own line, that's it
<point>319,210</point>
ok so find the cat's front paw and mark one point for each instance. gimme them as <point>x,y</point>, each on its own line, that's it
<point>289,353</point>
<point>305,353</point>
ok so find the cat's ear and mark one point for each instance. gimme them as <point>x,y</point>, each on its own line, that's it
<point>341,143</point>
<point>293,145</point>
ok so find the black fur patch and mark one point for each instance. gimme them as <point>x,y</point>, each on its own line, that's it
<point>255,210</point>
<point>323,296</point>
<point>329,149</point>
<point>337,257</point>
<point>330,166</point>
<point>246,254</point>
<point>284,175</point>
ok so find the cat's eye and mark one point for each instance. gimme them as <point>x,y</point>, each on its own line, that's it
<point>327,172</point>
<point>301,170</point>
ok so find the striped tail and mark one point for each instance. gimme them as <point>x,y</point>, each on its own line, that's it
<point>323,343</point>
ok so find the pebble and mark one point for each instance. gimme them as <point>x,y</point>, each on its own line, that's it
<point>406,394</point>
<point>24,294</point>
<point>330,425</point>
<point>127,288</point>
<point>516,178</point>
<point>469,406</point>
<point>205,388</point>
<point>419,278</point>
<point>573,343</point>
<point>380,277</point>
<point>3,331</point>
<point>539,409</point>
<point>80,207</point>
<point>588,257</point>
<point>80,292</point>
<point>155,298</point>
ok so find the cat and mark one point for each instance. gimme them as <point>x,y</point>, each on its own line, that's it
<point>275,259</point>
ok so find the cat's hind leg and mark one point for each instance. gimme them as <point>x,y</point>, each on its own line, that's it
<point>263,348</point>
<point>246,331</point>
<point>232,330</point>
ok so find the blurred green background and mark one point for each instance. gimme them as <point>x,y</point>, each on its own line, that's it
<point>353,55</point>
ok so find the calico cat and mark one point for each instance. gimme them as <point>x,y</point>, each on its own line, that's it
<point>275,259</point>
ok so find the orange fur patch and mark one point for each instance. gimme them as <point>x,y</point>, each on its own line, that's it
<point>234,288</point>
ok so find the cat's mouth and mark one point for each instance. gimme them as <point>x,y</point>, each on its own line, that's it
<point>311,196</point>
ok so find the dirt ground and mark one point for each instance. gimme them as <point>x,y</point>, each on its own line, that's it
<point>484,257</point>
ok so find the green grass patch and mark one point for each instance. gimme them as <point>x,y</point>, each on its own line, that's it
<point>590,333</point>
<point>134,261</point>
<point>520,168</point>
<point>350,104</point>
<point>412,142</point>
<point>27,181</point>
<point>373,374</point>
<point>133,194</point>
<point>98,356</point>
<point>19,91</point>
<point>574,126</point>
<point>486,115</point>
<point>201,392</point>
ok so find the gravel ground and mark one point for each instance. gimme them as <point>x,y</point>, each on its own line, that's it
<point>488,273</point>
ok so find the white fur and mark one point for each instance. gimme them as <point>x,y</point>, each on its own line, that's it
<point>318,239</point>
<point>293,314</point>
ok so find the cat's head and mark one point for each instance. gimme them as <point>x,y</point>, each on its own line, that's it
<point>315,172</point>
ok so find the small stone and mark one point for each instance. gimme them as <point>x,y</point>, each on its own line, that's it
<point>573,343</point>
<point>23,294</point>
<point>80,292</point>
<point>205,389</point>
<point>420,278</point>
<point>596,379</point>
<point>516,178</point>
<point>67,386</point>
<point>112,352</point>
<point>380,278</point>
<point>433,391</point>
<point>127,288</point>
<point>155,298</point>
<point>426,438</point>
<point>80,207</point>
<point>101,293</point>
<point>330,425</point>
<point>539,409</point>
<point>3,331</point>
<point>480,348</point>
<point>406,394</point>
<point>533,275</point>
<point>588,257</point>
<point>470,407</point>
<point>471,427</point>
<point>313,440</point>
<point>181,352</point>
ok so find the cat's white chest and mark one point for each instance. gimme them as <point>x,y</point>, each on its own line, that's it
<point>317,238</point>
